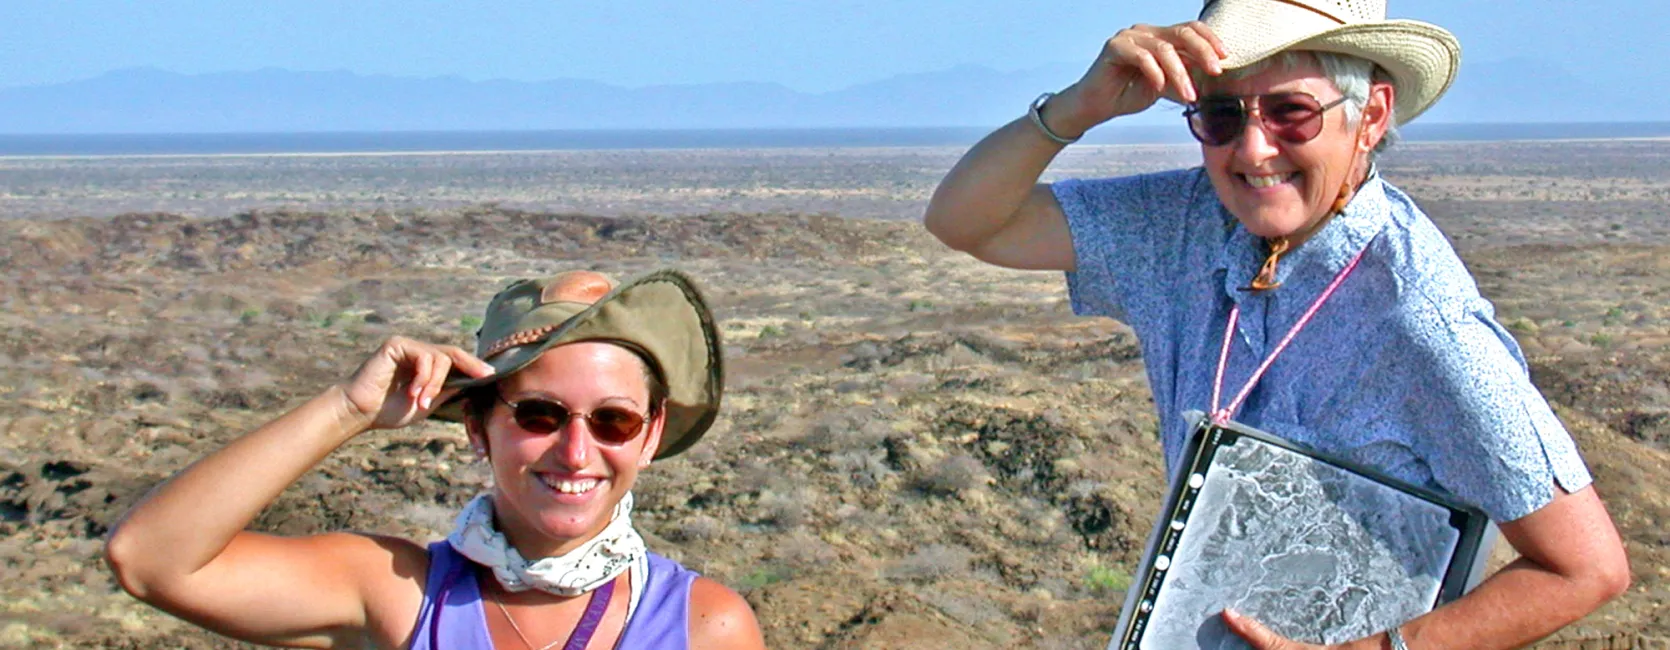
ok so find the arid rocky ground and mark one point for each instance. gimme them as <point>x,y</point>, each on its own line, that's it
<point>917,451</point>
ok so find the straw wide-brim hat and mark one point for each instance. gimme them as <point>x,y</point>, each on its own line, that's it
<point>661,316</point>
<point>1421,58</point>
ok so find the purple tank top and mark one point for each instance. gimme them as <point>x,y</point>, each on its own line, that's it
<point>452,617</point>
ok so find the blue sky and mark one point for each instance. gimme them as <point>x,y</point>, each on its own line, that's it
<point>808,46</point>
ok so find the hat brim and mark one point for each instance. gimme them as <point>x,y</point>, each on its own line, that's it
<point>661,315</point>
<point>1421,58</point>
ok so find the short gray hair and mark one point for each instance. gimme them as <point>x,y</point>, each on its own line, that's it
<point>1352,75</point>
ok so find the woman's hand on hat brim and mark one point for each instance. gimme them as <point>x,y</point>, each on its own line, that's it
<point>1135,68</point>
<point>404,379</point>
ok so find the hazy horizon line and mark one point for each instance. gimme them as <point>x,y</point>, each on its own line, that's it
<point>606,82</point>
<point>442,142</point>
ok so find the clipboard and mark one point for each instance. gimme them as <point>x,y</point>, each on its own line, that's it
<point>1319,549</point>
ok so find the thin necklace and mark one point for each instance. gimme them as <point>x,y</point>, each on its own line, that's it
<point>517,628</point>
<point>581,636</point>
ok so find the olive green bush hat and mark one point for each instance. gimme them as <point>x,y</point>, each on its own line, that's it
<point>661,315</point>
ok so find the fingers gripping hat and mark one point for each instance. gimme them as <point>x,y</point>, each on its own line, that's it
<point>1421,58</point>
<point>662,316</point>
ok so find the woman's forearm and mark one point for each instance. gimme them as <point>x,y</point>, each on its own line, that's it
<point>185,523</point>
<point>1572,561</point>
<point>987,188</point>
<point>1513,609</point>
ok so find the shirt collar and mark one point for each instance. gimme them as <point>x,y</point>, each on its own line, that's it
<point>1308,268</point>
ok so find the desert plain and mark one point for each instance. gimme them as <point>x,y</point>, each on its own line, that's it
<point>916,450</point>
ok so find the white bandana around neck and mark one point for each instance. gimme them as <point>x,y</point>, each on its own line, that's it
<point>611,552</point>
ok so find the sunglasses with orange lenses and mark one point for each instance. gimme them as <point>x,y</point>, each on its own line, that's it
<point>1293,117</point>
<point>610,425</point>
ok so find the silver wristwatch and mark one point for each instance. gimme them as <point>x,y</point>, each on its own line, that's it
<point>1036,112</point>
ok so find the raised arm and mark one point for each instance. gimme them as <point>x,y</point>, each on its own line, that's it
<point>184,548</point>
<point>991,205</point>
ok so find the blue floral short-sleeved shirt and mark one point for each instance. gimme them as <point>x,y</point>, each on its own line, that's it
<point>1404,369</point>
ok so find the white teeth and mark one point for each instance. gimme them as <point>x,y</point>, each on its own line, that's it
<point>571,487</point>
<point>1266,181</point>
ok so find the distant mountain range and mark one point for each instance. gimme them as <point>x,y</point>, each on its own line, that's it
<point>147,100</point>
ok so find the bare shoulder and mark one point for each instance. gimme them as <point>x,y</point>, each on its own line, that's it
<point>720,618</point>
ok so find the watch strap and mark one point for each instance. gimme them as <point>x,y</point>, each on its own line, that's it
<point>1036,113</point>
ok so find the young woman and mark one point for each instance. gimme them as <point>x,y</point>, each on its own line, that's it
<point>575,387</point>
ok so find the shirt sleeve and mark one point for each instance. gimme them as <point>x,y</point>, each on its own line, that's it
<point>1124,231</point>
<point>1493,441</point>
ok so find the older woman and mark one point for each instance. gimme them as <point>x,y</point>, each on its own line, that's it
<point>575,387</point>
<point>1286,284</point>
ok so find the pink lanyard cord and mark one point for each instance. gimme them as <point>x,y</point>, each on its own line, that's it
<point>1223,415</point>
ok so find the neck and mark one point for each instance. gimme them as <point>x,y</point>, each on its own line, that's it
<point>532,545</point>
<point>588,563</point>
<point>1347,190</point>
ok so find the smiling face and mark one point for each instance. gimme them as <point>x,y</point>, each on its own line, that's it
<point>1284,189</point>
<point>556,490</point>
